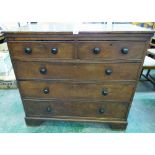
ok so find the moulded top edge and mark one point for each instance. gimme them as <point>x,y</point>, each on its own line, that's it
<point>76,28</point>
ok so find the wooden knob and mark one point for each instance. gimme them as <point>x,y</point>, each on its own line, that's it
<point>96,50</point>
<point>46,90</point>
<point>125,50</point>
<point>28,50</point>
<point>101,110</point>
<point>105,92</point>
<point>54,50</point>
<point>49,109</point>
<point>43,70</point>
<point>108,71</point>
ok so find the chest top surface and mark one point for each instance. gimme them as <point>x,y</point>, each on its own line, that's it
<point>77,31</point>
<point>77,28</point>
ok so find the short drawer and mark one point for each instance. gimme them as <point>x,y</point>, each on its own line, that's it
<point>77,71</point>
<point>66,90</point>
<point>111,50</point>
<point>50,50</point>
<point>75,108</point>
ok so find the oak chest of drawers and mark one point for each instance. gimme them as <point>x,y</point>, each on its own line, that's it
<point>88,76</point>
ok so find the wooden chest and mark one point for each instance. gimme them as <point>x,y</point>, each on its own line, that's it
<point>88,76</point>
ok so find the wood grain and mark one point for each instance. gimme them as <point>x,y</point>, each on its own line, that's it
<point>64,90</point>
<point>110,50</point>
<point>73,108</point>
<point>77,86</point>
<point>76,71</point>
<point>42,50</point>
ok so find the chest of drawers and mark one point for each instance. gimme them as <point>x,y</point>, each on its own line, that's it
<point>89,76</point>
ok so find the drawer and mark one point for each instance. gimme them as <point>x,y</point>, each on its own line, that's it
<point>50,50</point>
<point>110,50</point>
<point>76,71</point>
<point>64,90</point>
<point>73,108</point>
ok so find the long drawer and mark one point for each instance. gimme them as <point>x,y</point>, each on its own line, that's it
<point>63,90</point>
<point>52,50</point>
<point>44,108</point>
<point>110,50</point>
<point>76,71</point>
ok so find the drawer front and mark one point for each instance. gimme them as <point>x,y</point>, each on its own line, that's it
<point>77,71</point>
<point>50,50</point>
<point>111,50</point>
<point>74,108</point>
<point>63,90</point>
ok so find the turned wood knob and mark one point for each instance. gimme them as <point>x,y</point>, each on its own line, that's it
<point>105,92</point>
<point>54,50</point>
<point>96,50</point>
<point>125,50</point>
<point>48,109</point>
<point>108,71</point>
<point>28,50</point>
<point>46,90</point>
<point>43,70</point>
<point>101,110</point>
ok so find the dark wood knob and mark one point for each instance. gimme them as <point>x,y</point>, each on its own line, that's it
<point>108,71</point>
<point>54,50</point>
<point>96,50</point>
<point>46,90</point>
<point>28,50</point>
<point>125,50</point>
<point>101,110</point>
<point>105,92</point>
<point>49,109</point>
<point>43,70</point>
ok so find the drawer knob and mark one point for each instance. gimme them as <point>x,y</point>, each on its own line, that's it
<point>43,70</point>
<point>101,110</point>
<point>48,109</point>
<point>105,92</point>
<point>54,50</point>
<point>46,90</point>
<point>125,50</point>
<point>96,50</point>
<point>108,71</point>
<point>28,50</point>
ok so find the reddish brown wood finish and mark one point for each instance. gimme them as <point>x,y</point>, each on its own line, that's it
<point>42,50</point>
<point>111,50</point>
<point>86,36</point>
<point>77,71</point>
<point>78,87</point>
<point>58,90</point>
<point>75,108</point>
